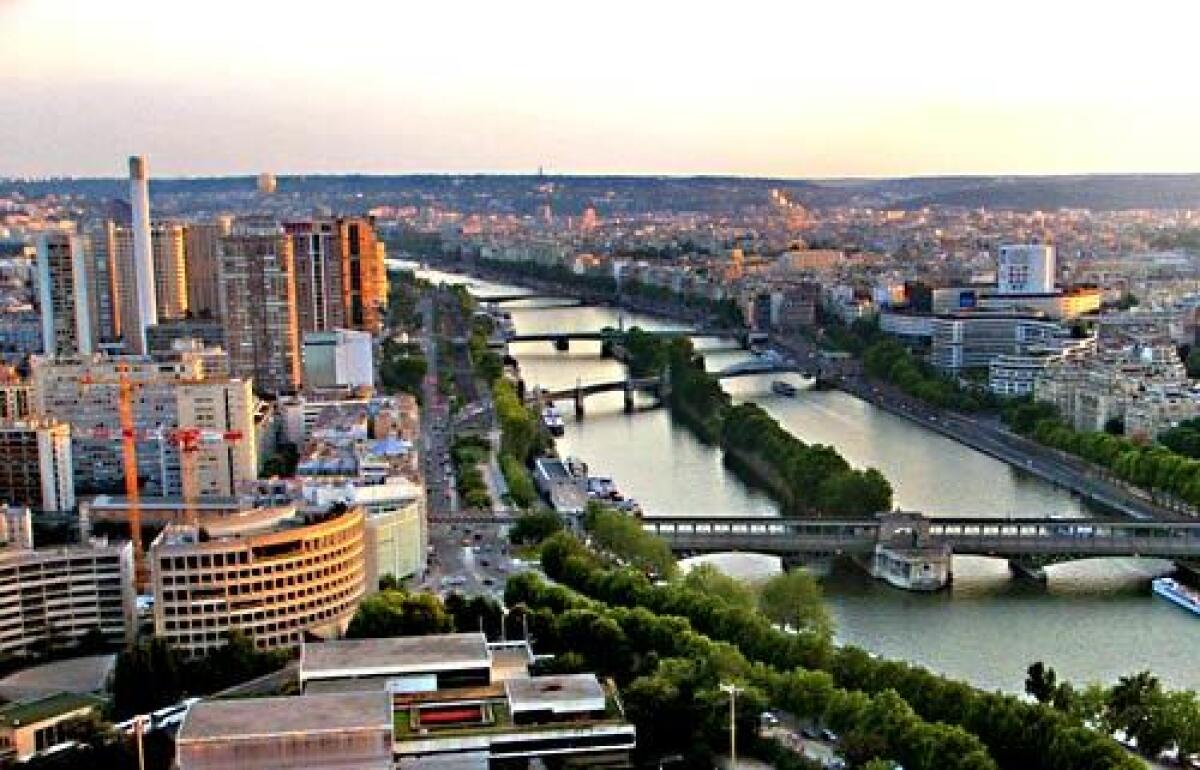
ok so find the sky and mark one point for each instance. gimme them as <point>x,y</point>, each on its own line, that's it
<point>792,88</point>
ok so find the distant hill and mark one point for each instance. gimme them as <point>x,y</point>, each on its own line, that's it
<point>572,193</point>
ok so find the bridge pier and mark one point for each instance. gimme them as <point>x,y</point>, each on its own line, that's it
<point>562,344</point>
<point>1027,571</point>
<point>578,403</point>
<point>628,397</point>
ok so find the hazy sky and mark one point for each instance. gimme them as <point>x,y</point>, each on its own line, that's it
<point>787,88</point>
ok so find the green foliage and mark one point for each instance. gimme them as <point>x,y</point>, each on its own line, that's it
<point>479,613</point>
<point>623,536</point>
<point>708,580</point>
<point>468,453</point>
<point>890,361</point>
<point>152,674</point>
<point>521,431</point>
<point>808,677</point>
<point>283,462</point>
<point>532,528</point>
<point>399,613</point>
<point>520,482</point>
<point>1154,467</point>
<point>646,354</point>
<point>793,599</point>
<point>402,368</point>
<point>1192,362</point>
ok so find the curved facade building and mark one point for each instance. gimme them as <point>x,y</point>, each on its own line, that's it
<point>274,574</point>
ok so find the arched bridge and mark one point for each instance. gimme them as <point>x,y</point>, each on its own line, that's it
<point>1034,540</point>
<point>656,384</point>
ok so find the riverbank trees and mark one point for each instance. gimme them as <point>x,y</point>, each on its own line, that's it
<point>1018,734</point>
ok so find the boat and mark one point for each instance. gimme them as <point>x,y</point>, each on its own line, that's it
<point>783,388</point>
<point>1174,591</point>
<point>553,421</point>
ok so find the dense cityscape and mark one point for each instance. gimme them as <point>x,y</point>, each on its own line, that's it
<point>539,386</point>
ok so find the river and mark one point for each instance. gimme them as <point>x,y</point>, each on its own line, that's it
<point>1094,621</point>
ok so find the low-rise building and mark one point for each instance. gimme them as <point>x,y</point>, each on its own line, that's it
<point>275,574</point>
<point>33,726</point>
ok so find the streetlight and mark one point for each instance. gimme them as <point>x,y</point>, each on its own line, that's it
<point>733,691</point>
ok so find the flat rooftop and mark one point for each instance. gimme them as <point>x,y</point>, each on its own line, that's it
<point>224,720</point>
<point>396,655</point>
<point>561,694</point>
<point>52,706</point>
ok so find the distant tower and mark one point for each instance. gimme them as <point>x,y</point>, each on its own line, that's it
<point>266,183</point>
<point>143,256</point>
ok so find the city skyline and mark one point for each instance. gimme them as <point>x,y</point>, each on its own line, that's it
<point>864,90</point>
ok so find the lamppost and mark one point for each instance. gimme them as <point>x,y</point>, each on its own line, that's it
<point>733,691</point>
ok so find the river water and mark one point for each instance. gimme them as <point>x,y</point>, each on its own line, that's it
<point>1094,621</point>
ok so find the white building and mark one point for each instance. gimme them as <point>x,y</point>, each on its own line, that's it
<point>338,358</point>
<point>1025,269</point>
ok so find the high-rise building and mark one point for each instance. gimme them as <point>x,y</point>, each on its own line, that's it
<point>170,270</point>
<point>200,246</point>
<point>341,277</point>
<point>37,470</point>
<point>144,295</point>
<point>258,306</point>
<point>104,296</point>
<point>1026,269</point>
<point>63,295</point>
<point>226,407</point>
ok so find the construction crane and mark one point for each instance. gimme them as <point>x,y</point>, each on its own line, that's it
<point>189,441</point>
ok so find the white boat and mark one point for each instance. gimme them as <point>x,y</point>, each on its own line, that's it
<point>553,421</point>
<point>1174,591</point>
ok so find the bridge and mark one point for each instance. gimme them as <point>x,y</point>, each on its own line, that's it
<point>563,340</point>
<point>500,299</point>
<point>1027,543</point>
<point>656,384</point>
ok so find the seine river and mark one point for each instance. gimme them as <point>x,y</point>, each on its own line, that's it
<point>1095,620</point>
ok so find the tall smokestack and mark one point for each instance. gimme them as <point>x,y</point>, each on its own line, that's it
<point>143,257</point>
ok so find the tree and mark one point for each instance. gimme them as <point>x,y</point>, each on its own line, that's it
<point>1193,362</point>
<point>397,613</point>
<point>1041,683</point>
<point>711,581</point>
<point>535,527</point>
<point>623,536</point>
<point>1134,704</point>
<point>794,599</point>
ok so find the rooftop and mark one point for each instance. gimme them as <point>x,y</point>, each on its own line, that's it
<point>367,657</point>
<point>34,711</point>
<point>561,694</point>
<point>223,720</point>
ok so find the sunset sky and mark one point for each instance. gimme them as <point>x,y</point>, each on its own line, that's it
<point>797,89</point>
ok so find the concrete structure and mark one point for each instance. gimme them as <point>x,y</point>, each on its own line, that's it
<point>63,295</point>
<point>338,358</point>
<point>53,597</point>
<point>16,399</point>
<point>458,699</point>
<point>226,407</point>
<point>144,295</point>
<point>338,731</point>
<point>1025,269</point>
<point>201,248</point>
<point>275,574</point>
<point>85,394</point>
<point>971,340</point>
<point>161,337</point>
<point>36,468</point>
<point>258,306</point>
<point>30,727</point>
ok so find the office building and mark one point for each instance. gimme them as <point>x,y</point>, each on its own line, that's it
<point>63,295</point>
<point>971,340</point>
<point>170,270</point>
<point>142,296</point>
<point>52,597</point>
<point>338,358</point>
<point>338,731</point>
<point>1025,269</point>
<point>275,574</point>
<point>36,469</point>
<point>104,295</point>
<point>201,248</point>
<point>258,306</point>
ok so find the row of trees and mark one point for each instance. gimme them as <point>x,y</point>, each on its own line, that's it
<point>622,535</point>
<point>522,435</point>
<point>1018,734</point>
<point>152,674</point>
<point>1184,438</point>
<point>671,672</point>
<point>468,453</point>
<point>890,361</point>
<point>396,612</point>
<point>1137,705</point>
<point>1150,466</point>
<point>401,367</point>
